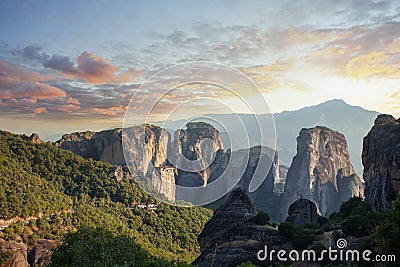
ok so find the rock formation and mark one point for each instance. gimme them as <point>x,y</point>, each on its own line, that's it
<point>34,138</point>
<point>105,145</point>
<point>193,150</point>
<point>145,147</point>
<point>19,255</point>
<point>41,254</point>
<point>304,211</point>
<point>230,237</point>
<point>381,160</point>
<point>148,143</point>
<point>269,169</point>
<point>321,171</point>
<point>16,253</point>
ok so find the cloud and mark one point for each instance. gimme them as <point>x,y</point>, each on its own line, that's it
<point>61,63</point>
<point>40,110</point>
<point>366,65</point>
<point>89,66</point>
<point>394,47</point>
<point>17,82</point>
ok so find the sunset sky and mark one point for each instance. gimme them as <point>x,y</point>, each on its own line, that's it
<point>74,65</point>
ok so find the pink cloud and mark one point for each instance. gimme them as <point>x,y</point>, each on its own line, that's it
<point>18,82</point>
<point>40,110</point>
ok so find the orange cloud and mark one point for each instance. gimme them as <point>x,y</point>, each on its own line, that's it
<point>17,82</point>
<point>73,101</point>
<point>68,108</point>
<point>92,68</point>
<point>112,111</point>
<point>95,69</point>
<point>365,65</point>
<point>40,110</point>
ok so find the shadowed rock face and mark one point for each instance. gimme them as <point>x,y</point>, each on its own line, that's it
<point>105,145</point>
<point>39,256</point>
<point>321,171</point>
<point>195,148</point>
<point>381,160</point>
<point>230,237</point>
<point>304,211</point>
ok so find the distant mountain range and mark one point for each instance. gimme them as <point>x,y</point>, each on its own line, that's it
<point>353,121</point>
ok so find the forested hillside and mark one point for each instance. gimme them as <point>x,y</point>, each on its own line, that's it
<point>73,192</point>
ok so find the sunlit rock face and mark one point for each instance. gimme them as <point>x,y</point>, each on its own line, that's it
<point>381,160</point>
<point>321,172</point>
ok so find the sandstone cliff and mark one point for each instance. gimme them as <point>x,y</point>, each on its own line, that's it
<point>230,237</point>
<point>321,171</point>
<point>195,149</point>
<point>105,145</point>
<point>145,148</point>
<point>381,160</point>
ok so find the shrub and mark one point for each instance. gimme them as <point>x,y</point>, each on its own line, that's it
<point>286,229</point>
<point>302,238</point>
<point>337,235</point>
<point>261,218</point>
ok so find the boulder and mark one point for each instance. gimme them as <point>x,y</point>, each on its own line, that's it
<point>304,211</point>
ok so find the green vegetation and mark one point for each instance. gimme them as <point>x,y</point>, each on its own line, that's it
<point>301,236</point>
<point>72,192</point>
<point>102,248</point>
<point>261,218</point>
<point>387,235</point>
<point>356,217</point>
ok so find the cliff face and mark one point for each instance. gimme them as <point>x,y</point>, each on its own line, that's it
<point>265,157</point>
<point>381,160</point>
<point>105,145</point>
<point>230,237</point>
<point>321,171</point>
<point>145,146</point>
<point>199,144</point>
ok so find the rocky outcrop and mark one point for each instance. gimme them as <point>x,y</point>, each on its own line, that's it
<point>149,142</point>
<point>230,237</point>
<point>304,211</point>
<point>267,161</point>
<point>41,254</point>
<point>105,145</point>
<point>193,150</point>
<point>34,138</point>
<point>381,160</point>
<point>18,253</point>
<point>321,171</point>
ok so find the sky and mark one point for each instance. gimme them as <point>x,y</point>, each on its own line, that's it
<point>76,65</point>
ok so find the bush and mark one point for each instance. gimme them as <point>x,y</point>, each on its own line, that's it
<point>286,229</point>
<point>312,225</point>
<point>302,238</point>
<point>261,218</point>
